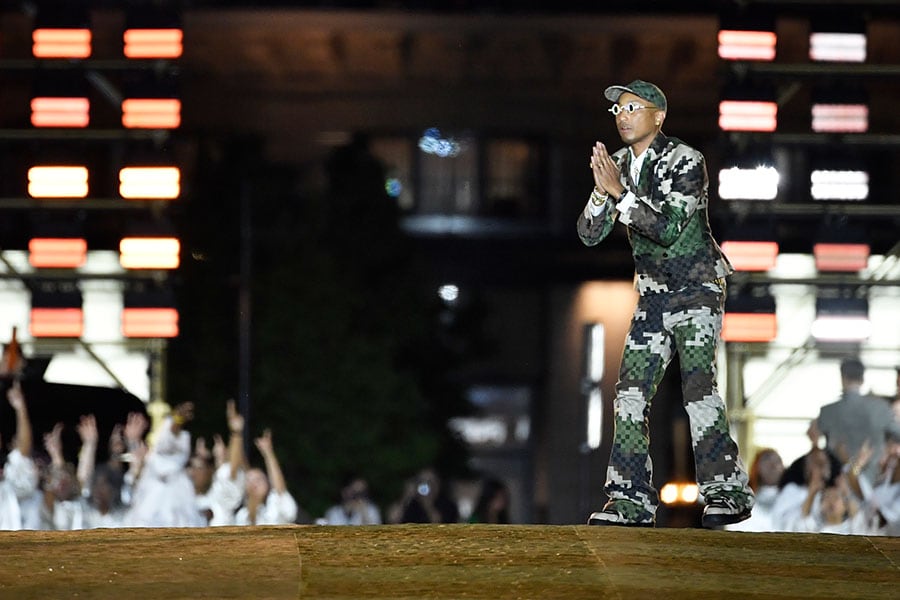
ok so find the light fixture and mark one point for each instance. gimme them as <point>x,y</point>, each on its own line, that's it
<point>679,493</point>
<point>595,357</point>
<point>841,318</point>
<point>837,38</point>
<point>149,252</point>
<point>149,312</point>
<point>56,252</point>
<point>753,183</point>
<point>151,113</point>
<point>62,31</point>
<point>751,255</point>
<point>749,316</point>
<point>56,309</point>
<point>840,110</point>
<point>747,36</point>
<point>152,183</point>
<point>841,256</point>
<point>839,184</point>
<point>152,31</point>
<point>51,111</point>
<point>748,107</point>
<point>58,181</point>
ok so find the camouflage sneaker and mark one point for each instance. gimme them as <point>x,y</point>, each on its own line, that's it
<point>622,513</point>
<point>724,510</point>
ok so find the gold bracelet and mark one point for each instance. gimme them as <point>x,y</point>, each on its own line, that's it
<point>597,198</point>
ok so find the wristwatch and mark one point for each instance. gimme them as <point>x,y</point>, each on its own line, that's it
<point>622,195</point>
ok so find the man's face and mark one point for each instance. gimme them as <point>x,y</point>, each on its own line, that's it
<point>638,128</point>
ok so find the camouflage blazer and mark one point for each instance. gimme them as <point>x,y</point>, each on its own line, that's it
<point>667,223</point>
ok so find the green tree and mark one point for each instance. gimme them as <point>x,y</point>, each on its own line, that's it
<point>349,369</point>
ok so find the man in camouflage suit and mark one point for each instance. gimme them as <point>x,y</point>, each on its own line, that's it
<point>657,187</point>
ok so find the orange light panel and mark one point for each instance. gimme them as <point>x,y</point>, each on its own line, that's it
<point>61,43</point>
<point>151,113</point>
<point>747,45</point>
<point>850,118</point>
<point>841,257</point>
<point>60,112</point>
<point>57,253</point>
<point>751,255</point>
<point>153,43</point>
<point>57,182</point>
<point>748,115</point>
<point>749,327</point>
<point>149,253</point>
<point>150,322</point>
<point>155,183</point>
<point>57,322</point>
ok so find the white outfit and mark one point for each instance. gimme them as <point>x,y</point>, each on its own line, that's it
<point>94,519</point>
<point>761,519</point>
<point>882,499</point>
<point>163,495</point>
<point>19,484</point>
<point>787,510</point>
<point>279,509</point>
<point>336,515</point>
<point>223,497</point>
<point>68,515</point>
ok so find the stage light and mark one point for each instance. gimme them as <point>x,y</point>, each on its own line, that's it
<point>841,257</point>
<point>840,118</point>
<point>62,30</point>
<point>57,253</point>
<point>747,35</point>
<point>153,183</point>
<point>749,316</point>
<point>841,319</point>
<point>828,184</point>
<point>748,107</point>
<point>837,38</point>
<point>837,47</point>
<point>58,182</point>
<point>679,493</point>
<point>60,112</point>
<point>149,252</point>
<point>757,183</point>
<point>746,255</point>
<point>153,43</point>
<point>56,310</point>
<point>151,113</point>
<point>61,43</point>
<point>149,312</point>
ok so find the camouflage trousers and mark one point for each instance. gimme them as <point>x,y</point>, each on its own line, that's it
<point>688,322</point>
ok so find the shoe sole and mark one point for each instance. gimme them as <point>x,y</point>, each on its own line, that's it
<point>714,521</point>
<point>601,523</point>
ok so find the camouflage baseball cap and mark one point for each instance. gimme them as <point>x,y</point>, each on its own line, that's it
<point>641,89</point>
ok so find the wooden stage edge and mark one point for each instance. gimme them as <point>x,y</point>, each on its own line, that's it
<point>451,561</point>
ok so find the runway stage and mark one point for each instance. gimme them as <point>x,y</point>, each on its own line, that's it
<point>453,561</point>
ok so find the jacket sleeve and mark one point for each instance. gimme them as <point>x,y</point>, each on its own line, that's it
<point>596,222</point>
<point>678,190</point>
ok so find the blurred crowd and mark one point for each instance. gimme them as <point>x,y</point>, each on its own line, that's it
<point>848,482</point>
<point>161,478</point>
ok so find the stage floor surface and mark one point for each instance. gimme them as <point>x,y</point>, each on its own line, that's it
<point>401,562</point>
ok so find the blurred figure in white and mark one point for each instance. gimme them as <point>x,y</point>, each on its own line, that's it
<point>267,500</point>
<point>19,478</point>
<point>355,508</point>
<point>163,494</point>
<point>765,474</point>
<point>218,476</point>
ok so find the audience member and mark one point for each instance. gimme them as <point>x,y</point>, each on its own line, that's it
<point>267,500</point>
<point>427,501</point>
<point>817,468</point>
<point>219,485</point>
<point>355,507</point>
<point>493,503</point>
<point>19,478</point>
<point>765,474</point>
<point>63,506</point>
<point>163,494</point>
<point>856,418</point>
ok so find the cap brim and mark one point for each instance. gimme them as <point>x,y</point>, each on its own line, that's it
<point>613,92</point>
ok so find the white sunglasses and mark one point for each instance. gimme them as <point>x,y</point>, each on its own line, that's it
<point>615,109</point>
